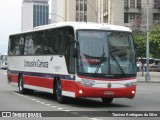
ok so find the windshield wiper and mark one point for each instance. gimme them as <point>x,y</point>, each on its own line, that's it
<point>121,69</point>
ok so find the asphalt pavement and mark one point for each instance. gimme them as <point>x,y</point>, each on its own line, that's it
<point>154,77</point>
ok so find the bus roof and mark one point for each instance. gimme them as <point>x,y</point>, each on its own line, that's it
<point>81,25</point>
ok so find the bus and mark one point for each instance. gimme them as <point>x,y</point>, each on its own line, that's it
<point>74,59</point>
<point>3,61</point>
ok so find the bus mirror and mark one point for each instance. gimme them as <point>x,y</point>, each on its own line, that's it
<point>75,52</point>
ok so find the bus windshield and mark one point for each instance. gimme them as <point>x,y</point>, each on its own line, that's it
<point>106,52</point>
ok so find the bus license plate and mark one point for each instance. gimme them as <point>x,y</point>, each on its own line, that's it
<point>108,92</point>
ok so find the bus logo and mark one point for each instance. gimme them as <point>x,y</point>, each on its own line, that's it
<point>109,85</point>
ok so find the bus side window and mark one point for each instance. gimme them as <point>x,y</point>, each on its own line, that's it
<point>16,46</point>
<point>48,42</point>
<point>11,46</point>
<point>29,45</point>
<point>21,45</point>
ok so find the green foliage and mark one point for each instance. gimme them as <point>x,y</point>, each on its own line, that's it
<point>154,38</point>
<point>140,39</point>
<point>154,41</point>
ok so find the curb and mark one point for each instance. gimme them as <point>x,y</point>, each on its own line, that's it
<point>148,81</point>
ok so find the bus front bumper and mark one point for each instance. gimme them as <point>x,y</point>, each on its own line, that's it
<point>128,92</point>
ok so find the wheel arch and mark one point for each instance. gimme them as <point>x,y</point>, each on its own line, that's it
<point>55,79</point>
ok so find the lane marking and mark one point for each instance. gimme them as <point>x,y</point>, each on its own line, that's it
<point>56,107</point>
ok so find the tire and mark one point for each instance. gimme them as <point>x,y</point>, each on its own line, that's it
<point>107,100</point>
<point>23,90</point>
<point>60,98</point>
<point>20,85</point>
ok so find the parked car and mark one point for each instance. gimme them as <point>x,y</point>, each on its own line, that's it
<point>154,68</point>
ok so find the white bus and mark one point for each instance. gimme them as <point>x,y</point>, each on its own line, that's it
<point>3,61</point>
<point>75,60</point>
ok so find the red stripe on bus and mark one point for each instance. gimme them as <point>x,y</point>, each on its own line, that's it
<point>67,85</point>
<point>72,86</point>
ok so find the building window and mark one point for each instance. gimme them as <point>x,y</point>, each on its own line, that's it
<point>77,6</point>
<point>81,10</point>
<point>157,4</point>
<point>85,17</point>
<point>132,16</point>
<point>132,3</point>
<point>77,16</point>
<point>85,6</point>
<point>40,15</point>
<point>81,6</point>
<point>125,17</point>
<point>138,3</point>
<point>125,3</point>
<point>81,16</point>
<point>156,18</point>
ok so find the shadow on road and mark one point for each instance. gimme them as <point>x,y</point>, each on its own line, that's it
<point>78,102</point>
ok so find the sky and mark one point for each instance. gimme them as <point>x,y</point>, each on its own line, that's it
<point>10,21</point>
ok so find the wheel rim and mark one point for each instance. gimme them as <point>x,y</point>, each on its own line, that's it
<point>20,84</point>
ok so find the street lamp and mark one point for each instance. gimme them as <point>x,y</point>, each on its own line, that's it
<point>147,77</point>
<point>58,16</point>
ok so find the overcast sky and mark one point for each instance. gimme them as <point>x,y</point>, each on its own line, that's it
<point>10,21</point>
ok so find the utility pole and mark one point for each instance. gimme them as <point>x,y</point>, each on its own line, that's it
<point>147,77</point>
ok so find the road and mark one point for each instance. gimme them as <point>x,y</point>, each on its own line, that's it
<point>147,99</point>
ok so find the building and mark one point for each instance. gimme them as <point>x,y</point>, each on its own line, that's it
<point>131,13</point>
<point>34,13</point>
<point>73,10</point>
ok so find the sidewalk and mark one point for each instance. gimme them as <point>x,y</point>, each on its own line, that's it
<point>155,77</point>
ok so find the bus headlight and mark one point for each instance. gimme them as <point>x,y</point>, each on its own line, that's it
<point>87,83</point>
<point>130,84</point>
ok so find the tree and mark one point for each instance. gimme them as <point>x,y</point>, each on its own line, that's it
<point>154,38</point>
<point>140,39</point>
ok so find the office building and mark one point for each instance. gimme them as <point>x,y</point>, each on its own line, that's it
<point>131,13</point>
<point>34,13</point>
<point>73,10</point>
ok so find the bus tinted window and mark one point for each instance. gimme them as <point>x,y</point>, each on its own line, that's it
<point>29,45</point>
<point>46,42</point>
<point>49,43</point>
<point>16,45</point>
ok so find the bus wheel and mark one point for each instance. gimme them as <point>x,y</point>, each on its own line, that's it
<point>23,90</point>
<point>59,96</point>
<point>107,100</point>
<point>20,85</point>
